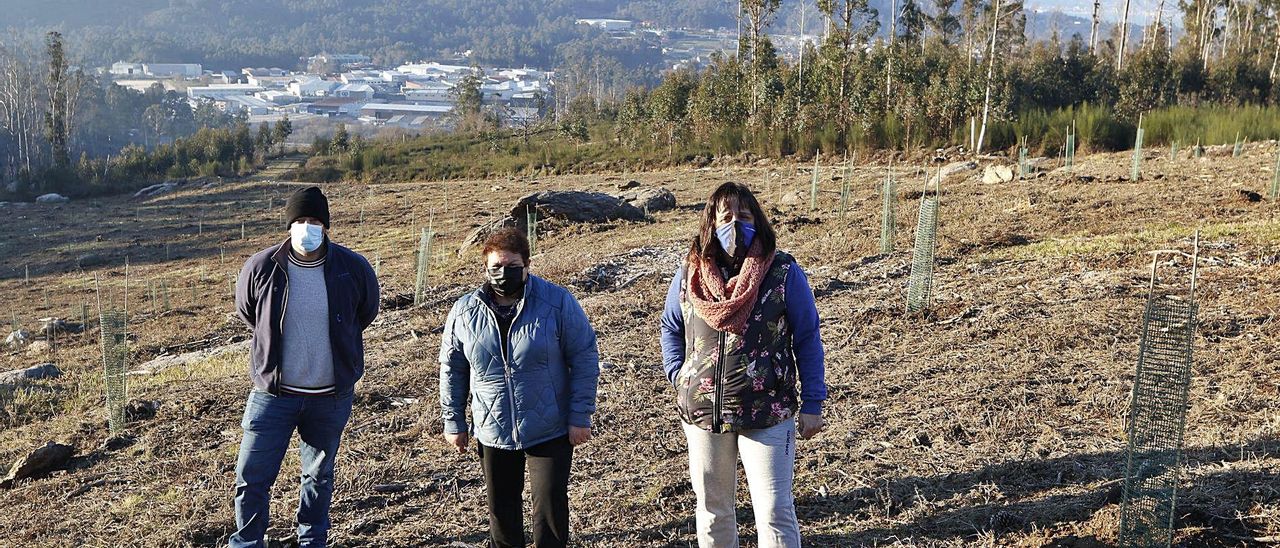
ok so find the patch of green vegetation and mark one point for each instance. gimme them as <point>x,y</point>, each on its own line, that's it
<point>1253,232</point>
<point>216,366</point>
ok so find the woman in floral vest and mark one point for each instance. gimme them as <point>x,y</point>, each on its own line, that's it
<point>740,343</point>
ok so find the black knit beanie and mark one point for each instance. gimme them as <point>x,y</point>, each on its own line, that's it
<point>307,202</point>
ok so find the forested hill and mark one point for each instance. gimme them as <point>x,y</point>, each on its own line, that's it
<point>236,33</point>
<point>229,34</point>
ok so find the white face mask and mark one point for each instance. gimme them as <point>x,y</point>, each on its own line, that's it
<point>306,237</point>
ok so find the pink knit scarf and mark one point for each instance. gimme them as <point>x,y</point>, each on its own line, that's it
<point>726,305</point>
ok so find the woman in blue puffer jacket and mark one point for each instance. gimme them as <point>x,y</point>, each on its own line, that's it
<point>522,348</point>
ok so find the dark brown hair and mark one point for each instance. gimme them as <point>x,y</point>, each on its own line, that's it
<point>706,246</point>
<point>507,239</point>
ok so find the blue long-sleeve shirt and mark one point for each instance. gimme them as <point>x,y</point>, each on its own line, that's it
<point>802,315</point>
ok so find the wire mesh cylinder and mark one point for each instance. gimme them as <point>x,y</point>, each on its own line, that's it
<point>1136,172</point>
<point>1275,180</point>
<point>1157,419</point>
<point>424,262</point>
<point>920,286</point>
<point>888,217</point>
<point>115,353</point>
<point>1071,150</point>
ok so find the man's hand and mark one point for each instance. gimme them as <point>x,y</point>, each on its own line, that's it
<point>810,425</point>
<point>459,441</point>
<point>579,435</point>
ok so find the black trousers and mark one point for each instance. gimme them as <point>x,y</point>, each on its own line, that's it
<point>504,472</point>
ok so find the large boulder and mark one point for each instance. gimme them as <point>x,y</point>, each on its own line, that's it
<point>576,206</point>
<point>477,236</point>
<point>55,326</point>
<point>573,206</point>
<point>16,377</point>
<point>651,200</point>
<point>39,463</point>
<point>996,174</point>
<point>52,198</point>
<point>155,190</point>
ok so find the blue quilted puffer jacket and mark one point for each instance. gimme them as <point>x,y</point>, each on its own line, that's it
<point>532,390</point>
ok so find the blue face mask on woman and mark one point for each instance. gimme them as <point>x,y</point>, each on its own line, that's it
<point>736,237</point>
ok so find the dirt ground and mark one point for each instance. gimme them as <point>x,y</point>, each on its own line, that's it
<point>998,419</point>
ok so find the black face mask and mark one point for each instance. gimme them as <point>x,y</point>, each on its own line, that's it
<point>509,283</point>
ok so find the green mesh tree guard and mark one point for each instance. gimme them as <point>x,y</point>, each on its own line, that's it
<point>1136,173</point>
<point>845,184</point>
<point>1235,151</point>
<point>1022,158</point>
<point>115,353</point>
<point>888,215</point>
<point>920,285</point>
<point>1157,416</point>
<point>424,267</point>
<point>1071,149</point>
<point>531,226</point>
<point>813,186</point>
<point>1275,180</point>
<point>1173,151</point>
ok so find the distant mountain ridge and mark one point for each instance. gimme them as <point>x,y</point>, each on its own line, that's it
<point>236,33</point>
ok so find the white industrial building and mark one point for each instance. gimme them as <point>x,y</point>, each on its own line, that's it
<point>173,70</point>
<point>609,25</point>
<point>311,86</point>
<point>215,91</point>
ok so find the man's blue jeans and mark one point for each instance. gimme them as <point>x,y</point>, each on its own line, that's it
<point>269,422</point>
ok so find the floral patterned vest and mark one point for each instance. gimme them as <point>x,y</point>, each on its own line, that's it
<point>730,383</point>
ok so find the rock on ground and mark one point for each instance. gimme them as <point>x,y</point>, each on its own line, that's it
<point>52,198</point>
<point>40,462</point>
<point>954,168</point>
<point>181,360</point>
<point>18,377</point>
<point>36,348</point>
<point>996,174</point>
<point>155,190</point>
<point>137,410</point>
<point>17,339</point>
<point>483,231</point>
<point>794,198</point>
<point>577,206</point>
<point>651,200</point>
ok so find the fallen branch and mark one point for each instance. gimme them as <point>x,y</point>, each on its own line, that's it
<point>97,483</point>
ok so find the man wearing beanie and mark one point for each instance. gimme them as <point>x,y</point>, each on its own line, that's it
<point>307,301</point>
